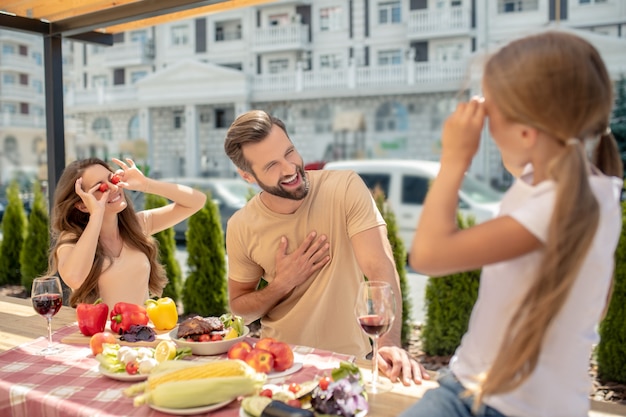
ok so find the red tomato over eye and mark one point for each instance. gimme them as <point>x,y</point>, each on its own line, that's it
<point>294,387</point>
<point>324,383</point>
<point>132,368</point>
<point>115,179</point>
<point>103,187</point>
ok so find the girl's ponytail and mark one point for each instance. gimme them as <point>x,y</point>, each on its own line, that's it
<point>606,155</point>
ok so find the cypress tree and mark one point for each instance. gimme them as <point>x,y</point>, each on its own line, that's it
<point>611,351</point>
<point>399,256</point>
<point>205,290</point>
<point>34,253</point>
<point>449,301</point>
<point>167,251</point>
<point>13,231</point>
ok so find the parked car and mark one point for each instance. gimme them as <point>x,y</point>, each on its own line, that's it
<point>229,194</point>
<point>405,184</point>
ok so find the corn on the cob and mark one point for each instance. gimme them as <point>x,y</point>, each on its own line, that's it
<point>201,392</point>
<point>221,368</point>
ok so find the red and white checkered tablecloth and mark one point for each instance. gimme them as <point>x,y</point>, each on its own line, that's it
<point>69,384</point>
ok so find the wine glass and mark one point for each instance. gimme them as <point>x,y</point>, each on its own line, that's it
<point>47,298</point>
<point>375,310</point>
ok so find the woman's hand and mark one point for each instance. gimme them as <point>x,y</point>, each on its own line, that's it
<point>398,365</point>
<point>90,202</point>
<point>130,176</point>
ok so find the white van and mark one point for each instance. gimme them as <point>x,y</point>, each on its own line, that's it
<point>405,183</point>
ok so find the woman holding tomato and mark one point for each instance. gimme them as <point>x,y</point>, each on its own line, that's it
<point>102,248</point>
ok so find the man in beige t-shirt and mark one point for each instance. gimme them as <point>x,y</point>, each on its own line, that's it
<point>311,235</point>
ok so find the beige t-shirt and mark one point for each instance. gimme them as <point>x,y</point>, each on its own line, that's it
<point>127,277</point>
<point>320,312</point>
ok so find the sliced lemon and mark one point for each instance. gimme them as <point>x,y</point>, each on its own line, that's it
<point>232,333</point>
<point>165,351</point>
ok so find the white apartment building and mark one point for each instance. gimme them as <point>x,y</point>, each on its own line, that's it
<point>350,78</point>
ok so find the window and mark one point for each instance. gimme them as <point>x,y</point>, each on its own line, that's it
<point>102,128</point>
<point>37,57</point>
<point>323,120</point>
<point>414,189</point>
<point>450,52</point>
<point>374,181</point>
<point>137,75</point>
<point>133,127</point>
<point>8,49</point>
<point>179,119</point>
<point>118,76</point>
<point>277,66</point>
<point>224,118</point>
<point>100,81</point>
<point>330,61</point>
<point>591,1</point>
<point>118,37</point>
<point>180,35</point>
<point>38,86</point>
<point>393,57</point>
<point>330,19</point>
<point>23,50</point>
<point>391,117</point>
<point>24,108</point>
<point>138,36</point>
<point>8,78</point>
<point>23,79</point>
<point>278,19</point>
<point>389,12</point>
<point>514,6</point>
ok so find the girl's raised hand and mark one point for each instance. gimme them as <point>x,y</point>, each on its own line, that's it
<point>461,132</point>
<point>130,176</point>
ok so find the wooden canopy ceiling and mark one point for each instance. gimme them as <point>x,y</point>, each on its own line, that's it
<point>84,19</point>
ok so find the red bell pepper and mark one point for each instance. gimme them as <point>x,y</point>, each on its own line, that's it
<point>92,318</point>
<point>125,315</point>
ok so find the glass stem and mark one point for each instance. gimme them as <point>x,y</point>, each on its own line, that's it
<point>49,320</point>
<point>375,364</point>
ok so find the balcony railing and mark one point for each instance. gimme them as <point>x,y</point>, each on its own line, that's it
<point>102,95</point>
<point>424,23</point>
<point>278,38</point>
<point>132,53</point>
<point>22,120</point>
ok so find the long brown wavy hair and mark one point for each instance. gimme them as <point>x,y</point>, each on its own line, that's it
<point>67,219</point>
<point>558,84</point>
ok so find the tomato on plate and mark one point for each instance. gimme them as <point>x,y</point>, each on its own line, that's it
<point>132,368</point>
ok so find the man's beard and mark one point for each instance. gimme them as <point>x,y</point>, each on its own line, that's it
<point>279,191</point>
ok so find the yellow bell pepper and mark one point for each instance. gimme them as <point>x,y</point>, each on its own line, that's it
<point>163,313</point>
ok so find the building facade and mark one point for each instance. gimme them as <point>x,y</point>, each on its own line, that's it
<point>350,78</point>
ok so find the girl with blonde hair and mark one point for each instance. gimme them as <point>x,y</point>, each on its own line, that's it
<point>547,257</point>
<point>102,248</point>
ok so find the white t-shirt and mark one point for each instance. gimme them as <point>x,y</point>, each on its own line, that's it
<point>560,384</point>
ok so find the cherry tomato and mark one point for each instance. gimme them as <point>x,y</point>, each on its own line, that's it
<point>294,387</point>
<point>294,403</point>
<point>103,187</point>
<point>216,337</point>
<point>205,338</point>
<point>324,383</point>
<point>115,179</point>
<point>132,368</point>
<point>267,393</point>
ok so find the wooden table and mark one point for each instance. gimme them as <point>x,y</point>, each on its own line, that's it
<point>20,324</point>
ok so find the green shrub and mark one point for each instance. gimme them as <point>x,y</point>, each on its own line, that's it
<point>13,233</point>
<point>205,290</point>
<point>167,252</point>
<point>399,256</point>
<point>449,302</point>
<point>611,351</point>
<point>34,253</point>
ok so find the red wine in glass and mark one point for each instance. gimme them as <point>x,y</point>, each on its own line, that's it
<point>47,298</point>
<point>374,325</point>
<point>47,305</point>
<point>375,310</point>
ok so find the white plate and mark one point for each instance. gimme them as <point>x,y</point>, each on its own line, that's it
<point>294,368</point>
<point>207,348</point>
<point>191,411</point>
<point>122,376</point>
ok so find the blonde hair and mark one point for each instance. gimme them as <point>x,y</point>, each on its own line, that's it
<point>67,219</point>
<point>558,84</point>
